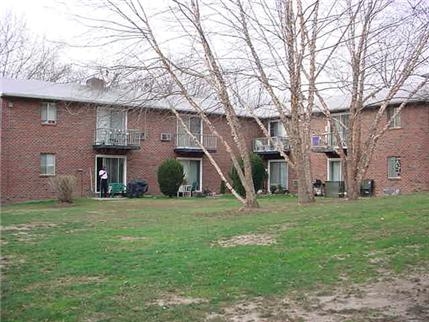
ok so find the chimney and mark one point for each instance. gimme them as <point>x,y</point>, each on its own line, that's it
<point>95,83</point>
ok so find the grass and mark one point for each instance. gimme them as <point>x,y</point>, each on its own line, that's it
<point>114,260</point>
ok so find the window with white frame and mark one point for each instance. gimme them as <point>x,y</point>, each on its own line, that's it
<point>47,164</point>
<point>49,113</point>
<point>393,167</point>
<point>393,117</point>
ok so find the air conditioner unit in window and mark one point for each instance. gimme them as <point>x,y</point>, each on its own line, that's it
<point>165,137</point>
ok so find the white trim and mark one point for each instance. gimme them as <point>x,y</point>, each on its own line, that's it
<point>201,170</point>
<point>109,156</point>
<point>269,172</point>
<point>328,171</point>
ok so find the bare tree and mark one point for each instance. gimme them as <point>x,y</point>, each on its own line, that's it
<point>202,73</point>
<point>386,46</point>
<point>23,55</point>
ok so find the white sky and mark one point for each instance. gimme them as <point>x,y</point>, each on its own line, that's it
<point>43,17</point>
<point>55,20</point>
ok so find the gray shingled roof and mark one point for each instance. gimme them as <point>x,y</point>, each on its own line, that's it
<point>70,92</point>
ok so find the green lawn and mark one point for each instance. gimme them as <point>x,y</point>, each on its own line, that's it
<point>116,260</point>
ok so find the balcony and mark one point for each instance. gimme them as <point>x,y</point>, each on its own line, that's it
<point>186,144</point>
<point>267,146</point>
<point>119,139</point>
<point>327,142</point>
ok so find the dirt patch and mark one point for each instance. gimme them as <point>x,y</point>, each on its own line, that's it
<point>66,282</point>
<point>252,239</point>
<point>173,299</point>
<point>7,261</point>
<point>398,299</point>
<point>27,227</point>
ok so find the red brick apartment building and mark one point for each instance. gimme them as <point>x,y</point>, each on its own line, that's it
<point>49,129</point>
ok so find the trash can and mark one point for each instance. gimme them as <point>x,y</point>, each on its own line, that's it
<point>334,189</point>
<point>367,188</point>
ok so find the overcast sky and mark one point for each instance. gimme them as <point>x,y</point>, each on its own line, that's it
<point>55,20</point>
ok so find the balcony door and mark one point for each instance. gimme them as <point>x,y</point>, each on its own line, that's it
<point>277,174</point>
<point>334,170</point>
<point>195,126</point>
<point>115,167</point>
<point>341,122</point>
<point>111,125</point>
<point>277,129</point>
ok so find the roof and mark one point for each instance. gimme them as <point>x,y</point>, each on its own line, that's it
<point>71,92</point>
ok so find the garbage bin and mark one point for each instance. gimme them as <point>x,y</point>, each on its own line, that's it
<point>367,188</point>
<point>334,189</point>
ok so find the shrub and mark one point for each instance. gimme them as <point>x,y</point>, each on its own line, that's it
<point>136,188</point>
<point>222,189</point>
<point>258,174</point>
<point>63,186</point>
<point>170,177</point>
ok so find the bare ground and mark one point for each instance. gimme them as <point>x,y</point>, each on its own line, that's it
<point>398,299</point>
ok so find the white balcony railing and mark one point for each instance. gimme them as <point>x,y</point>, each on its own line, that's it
<point>264,144</point>
<point>117,137</point>
<point>185,141</point>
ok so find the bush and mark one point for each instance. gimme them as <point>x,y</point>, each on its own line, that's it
<point>137,188</point>
<point>222,189</point>
<point>170,177</point>
<point>63,186</point>
<point>258,174</point>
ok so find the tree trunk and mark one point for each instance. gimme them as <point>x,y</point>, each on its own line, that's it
<point>305,185</point>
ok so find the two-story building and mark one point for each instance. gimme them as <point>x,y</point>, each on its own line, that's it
<point>50,129</point>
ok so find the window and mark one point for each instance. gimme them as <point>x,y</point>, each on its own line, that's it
<point>47,164</point>
<point>394,167</point>
<point>393,117</point>
<point>49,113</point>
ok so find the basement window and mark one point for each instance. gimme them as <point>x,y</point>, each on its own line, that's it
<point>49,113</point>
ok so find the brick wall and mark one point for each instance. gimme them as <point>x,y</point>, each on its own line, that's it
<point>24,138</point>
<point>410,142</point>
